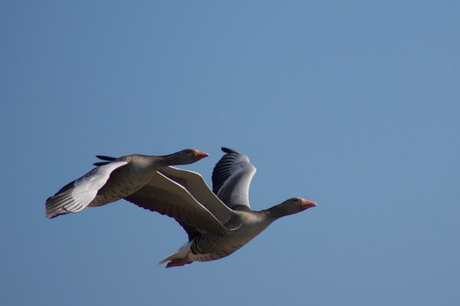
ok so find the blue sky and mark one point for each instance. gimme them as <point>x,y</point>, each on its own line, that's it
<point>354,105</point>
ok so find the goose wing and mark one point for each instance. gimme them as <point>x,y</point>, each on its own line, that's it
<point>197,187</point>
<point>107,159</point>
<point>232,177</point>
<point>76,195</point>
<point>168,194</point>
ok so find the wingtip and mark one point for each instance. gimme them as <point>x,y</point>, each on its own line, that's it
<point>108,160</point>
<point>53,212</point>
<point>98,164</point>
<point>228,150</point>
<point>52,216</point>
<point>105,157</point>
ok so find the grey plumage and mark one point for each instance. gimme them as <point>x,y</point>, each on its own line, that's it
<point>231,179</point>
<point>217,223</point>
<point>113,180</point>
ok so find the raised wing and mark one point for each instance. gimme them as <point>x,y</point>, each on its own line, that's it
<point>77,195</point>
<point>232,177</point>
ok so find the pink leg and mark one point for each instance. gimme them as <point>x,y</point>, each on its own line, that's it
<point>178,262</point>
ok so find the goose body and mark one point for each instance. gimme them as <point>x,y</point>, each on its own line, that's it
<point>231,179</point>
<point>112,180</point>
<point>207,247</point>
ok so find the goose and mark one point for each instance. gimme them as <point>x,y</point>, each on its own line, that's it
<point>114,179</point>
<point>176,192</point>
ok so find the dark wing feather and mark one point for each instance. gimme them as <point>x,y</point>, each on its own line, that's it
<point>222,170</point>
<point>231,178</point>
<point>104,157</point>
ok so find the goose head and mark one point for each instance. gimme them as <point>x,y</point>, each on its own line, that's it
<point>187,156</point>
<point>290,207</point>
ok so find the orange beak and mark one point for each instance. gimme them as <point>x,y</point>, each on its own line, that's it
<point>200,155</point>
<point>308,204</point>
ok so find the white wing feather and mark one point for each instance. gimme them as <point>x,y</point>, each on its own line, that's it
<point>77,195</point>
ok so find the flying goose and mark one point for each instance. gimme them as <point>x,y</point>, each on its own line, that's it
<point>172,189</point>
<point>113,180</point>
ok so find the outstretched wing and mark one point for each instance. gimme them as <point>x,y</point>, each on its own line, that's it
<point>76,195</point>
<point>167,193</point>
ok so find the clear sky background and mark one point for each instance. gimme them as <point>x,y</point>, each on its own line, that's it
<point>352,104</point>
